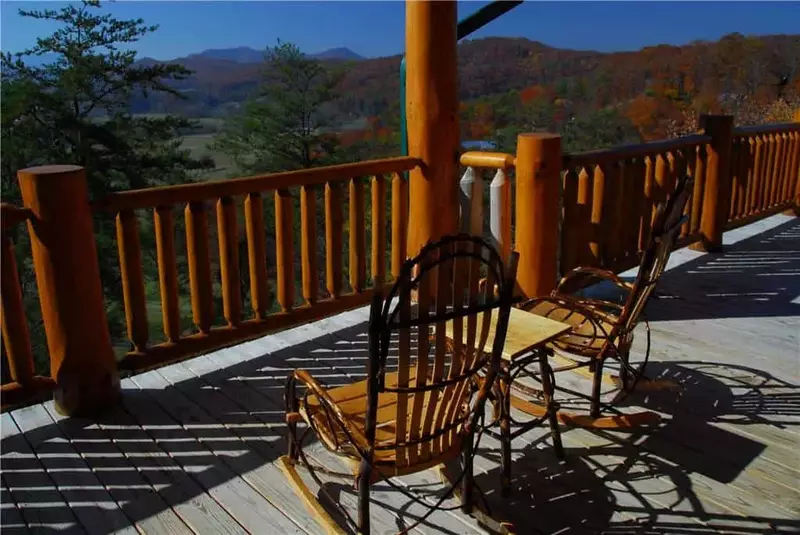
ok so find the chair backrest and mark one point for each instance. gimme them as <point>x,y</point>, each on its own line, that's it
<point>663,234</point>
<point>411,356</point>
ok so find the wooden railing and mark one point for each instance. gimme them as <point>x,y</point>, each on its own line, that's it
<point>765,163</point>
<point>226,198</point>
<point>609,198</point>
<point>472,194</point>
<point>24,384</point>
<point>558,211</point>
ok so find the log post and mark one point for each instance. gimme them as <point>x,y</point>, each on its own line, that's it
<point>537,215</point>
<point>432,107</point>
<point>70,291</point>
<point>717,194</point>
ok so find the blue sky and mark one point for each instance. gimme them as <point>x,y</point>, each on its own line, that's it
<point>375,29</point>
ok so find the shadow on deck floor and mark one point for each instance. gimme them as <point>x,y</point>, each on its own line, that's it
<point>192,448</point>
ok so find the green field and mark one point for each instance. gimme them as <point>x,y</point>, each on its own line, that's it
<point>198,144</point>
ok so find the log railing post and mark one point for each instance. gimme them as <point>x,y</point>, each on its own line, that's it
<point>717,192</point>
<point>538,175</point>
<point>68,276</point>
<point>432,109</point>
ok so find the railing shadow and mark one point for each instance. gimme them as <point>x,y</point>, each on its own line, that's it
<point>758,276</point>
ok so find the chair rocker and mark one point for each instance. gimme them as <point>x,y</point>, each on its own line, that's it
<point>423,407</point>
<point>603,329</point>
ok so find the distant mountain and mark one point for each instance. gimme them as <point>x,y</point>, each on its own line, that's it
<point>240,54</point>
<point>338,53</point>
<point>245,54</point>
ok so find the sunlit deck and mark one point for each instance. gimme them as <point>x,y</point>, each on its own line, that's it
<point>193,447</point>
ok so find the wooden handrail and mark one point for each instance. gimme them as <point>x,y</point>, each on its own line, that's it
<point>198,192</point>
<point>631,151</point>
<point>488,160</point>
<point>765,129</point>
<point>11,215</point>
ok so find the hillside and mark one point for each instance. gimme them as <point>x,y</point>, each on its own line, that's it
<point>496,65</point>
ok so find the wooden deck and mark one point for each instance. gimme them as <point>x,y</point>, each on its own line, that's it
<point>193,447</point>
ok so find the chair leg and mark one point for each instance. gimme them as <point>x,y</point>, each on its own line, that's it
<point>466,481</point>
<point>365,473</point>
<point>291,406</point>
<point>597,381</point>
<point>624,376</point>
<point>505,432</point>
<point>552,408</point>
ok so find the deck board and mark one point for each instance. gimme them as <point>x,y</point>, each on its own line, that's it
<point>192,447</point>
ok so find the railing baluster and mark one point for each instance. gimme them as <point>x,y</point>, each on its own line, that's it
<point>358,264</point>
<point>783,192</point>
<point>471,196</point>
<point>378,230</point>
<point>308,243</point>
<point>793,187</point>
<point>130,263</point>
<point>199,265</point>
<point>611,222</point>
<point>167,271</point>
<point>584,215</point>
<point>333,238</point>
<point>257,254</point>
<point>399,222</point>
<point>598,196</point>
<point>777,176</point>
<point>570,222</point>
<point>228,236</point>
<point>751,176</point>
<point>699,189</point>
<point>689,155</point>
<point>284,251</point>
<point>637,176</point>
<point>769,171</point>
<point>16,337</point>
<point>500,213</point>
<point>662,179</point>
<point>741,178</point>
<point>649,193</point>
<point>631,198</point>
<point>758,173</point>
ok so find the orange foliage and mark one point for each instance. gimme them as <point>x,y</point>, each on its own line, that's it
<point>529,94</point>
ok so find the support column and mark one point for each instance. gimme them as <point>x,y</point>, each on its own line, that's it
<point>432,108</point>
<point>68,276</point>
<point>717,188</point>
<point>538,189</point>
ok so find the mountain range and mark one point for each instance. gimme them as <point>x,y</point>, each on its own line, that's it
<point>222,79</point>
<point>247,55</point>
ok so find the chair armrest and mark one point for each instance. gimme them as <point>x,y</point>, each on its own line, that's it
<point>603,274</point>
<point>359,440</point>
<point>594,304</point>
<point>591,314</point>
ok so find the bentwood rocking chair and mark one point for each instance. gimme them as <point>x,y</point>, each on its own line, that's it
<point>425,406</point>
<point>603,329</point>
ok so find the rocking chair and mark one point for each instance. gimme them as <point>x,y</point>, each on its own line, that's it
<point>603,329</point>
<point>425,406</point>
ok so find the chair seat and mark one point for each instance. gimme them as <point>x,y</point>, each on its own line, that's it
<point>590,326</point>
<point>352,400</point>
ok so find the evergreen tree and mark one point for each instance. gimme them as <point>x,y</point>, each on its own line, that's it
<point>75,109</point>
